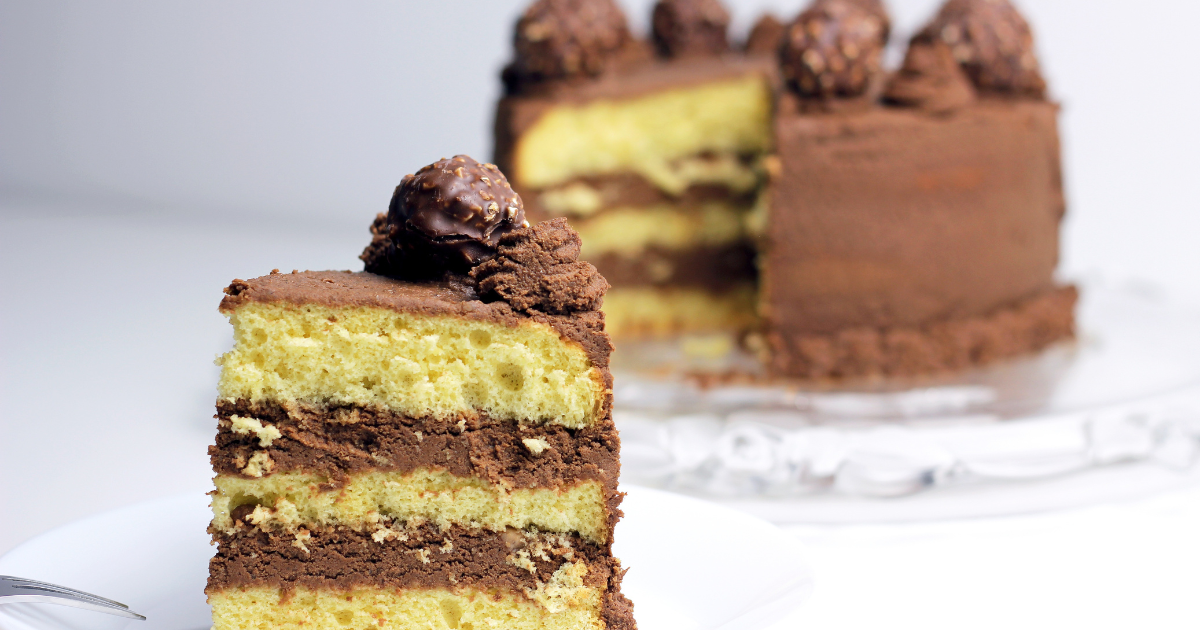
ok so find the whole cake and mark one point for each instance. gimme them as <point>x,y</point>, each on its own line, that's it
<point>840,219</point>
<point>427,444</point>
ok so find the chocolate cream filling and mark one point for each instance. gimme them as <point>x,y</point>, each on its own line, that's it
<point>713,268</point>
<point>339,441</point>
<point>621,190</point>
<point>415,557</point>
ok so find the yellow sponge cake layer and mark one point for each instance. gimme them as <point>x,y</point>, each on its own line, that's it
<point>289,501</point>
<point>565,605</point>
<point>655,312</point>
<point>414,364</point>
<point>630,230</point>
<point>646,135</point>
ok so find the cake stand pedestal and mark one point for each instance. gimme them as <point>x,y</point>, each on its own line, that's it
<point>1114,414</point>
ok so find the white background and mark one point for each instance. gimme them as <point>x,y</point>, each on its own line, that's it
<point>151,151</point>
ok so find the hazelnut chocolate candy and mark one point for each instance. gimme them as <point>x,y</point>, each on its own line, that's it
<point>992,42</point>
<point>685,28</point>
<point>833,49</point>
<point>447,217</point>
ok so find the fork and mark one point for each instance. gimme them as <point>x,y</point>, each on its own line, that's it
<point>15,590</point>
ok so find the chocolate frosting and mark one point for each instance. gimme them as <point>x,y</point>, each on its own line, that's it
<point>930,79</point>
<point>538,269</point>
<point>714,268</point>
<point>765,36</point>
<point>992,42</point>
<point>833,50</point>
<point>449,216</point>
<point>684,28</point>
<point>337,441</point>
<point>416,557</point>
<point>558,39</point>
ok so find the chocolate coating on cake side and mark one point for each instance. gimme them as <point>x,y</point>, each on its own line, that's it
<point>992,42</point>
<point>832,50</point>
<point>448,217</point>
<point>765,36</point>
<point>686,28</point>
<point>538,269</point>
<point>559,39</point>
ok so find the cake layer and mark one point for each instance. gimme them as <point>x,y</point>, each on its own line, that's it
<point>261,608</point>
<point>651,311</point>
<point>715,269</point>
<point>418,350</point>
<point>894,218</point>
<point>550,571</point>
<point>629,230</point>
<point>364,501</point>
<point>419,557</point>
<point>1025,326</point>
<point>645,122</point>
<point>586,196</point>
<point>336,442</point>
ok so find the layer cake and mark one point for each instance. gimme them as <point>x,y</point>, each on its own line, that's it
<point>426,444</point>
<point>841,220</point>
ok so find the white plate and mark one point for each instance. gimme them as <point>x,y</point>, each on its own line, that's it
<point>692,565</point>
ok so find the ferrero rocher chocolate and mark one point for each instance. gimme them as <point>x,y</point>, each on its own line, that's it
<point>448,216</point>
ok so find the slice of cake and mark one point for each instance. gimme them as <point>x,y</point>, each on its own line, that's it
<point>656,162</point>
<point>843,221</point>
<point>428,444</point>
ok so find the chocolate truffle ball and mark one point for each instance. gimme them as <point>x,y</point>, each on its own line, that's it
<point>832,50</point>
<point>558,39</point>
<point>993,44</point>
<point>685,28</point>
<point>876,8</point>
<point>447,217</point>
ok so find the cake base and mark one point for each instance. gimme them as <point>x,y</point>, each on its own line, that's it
<point>1021,328</point>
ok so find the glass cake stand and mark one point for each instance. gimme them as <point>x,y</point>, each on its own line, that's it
<point>1114,414</point>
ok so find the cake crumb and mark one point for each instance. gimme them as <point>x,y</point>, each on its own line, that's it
<point>302,539</point>
<point>266,433</point>
<point>447,546</point>
<point>420,436</point>
<point>462,426</point>
<point>386,534</point>
<point>260,464</point>
<point>563,589</point>
<point>522,560</point>
<point>423,554</point>
<point>536,445</point>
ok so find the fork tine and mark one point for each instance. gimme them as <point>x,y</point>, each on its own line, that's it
<point>54,592</point>
<point>68,600</point>
<point>59,589</point>
<point>46,593</point>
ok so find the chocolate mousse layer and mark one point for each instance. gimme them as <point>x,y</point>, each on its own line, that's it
<point>415,557</point>
<point>338,441</point>
<point>629,190</point>
<point>712,268</point>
